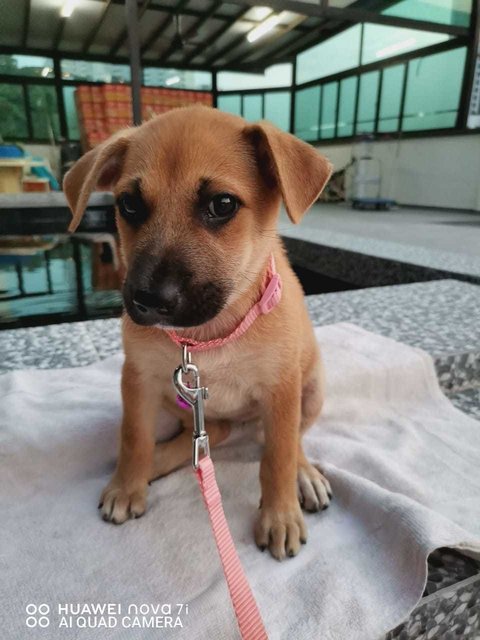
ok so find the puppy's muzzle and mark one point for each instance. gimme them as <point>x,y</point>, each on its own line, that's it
<point>169,296</point>
<point>163,302</point>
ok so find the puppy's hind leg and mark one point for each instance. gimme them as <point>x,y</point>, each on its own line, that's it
<point>174,453</point>
<point>314,491</point>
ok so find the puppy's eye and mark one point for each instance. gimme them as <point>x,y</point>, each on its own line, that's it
<point>222,206</point>
<point>132,208</point>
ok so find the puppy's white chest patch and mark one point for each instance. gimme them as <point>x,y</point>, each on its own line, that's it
<point>230,398</point>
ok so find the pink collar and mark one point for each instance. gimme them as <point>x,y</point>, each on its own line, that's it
<point>272,292</point>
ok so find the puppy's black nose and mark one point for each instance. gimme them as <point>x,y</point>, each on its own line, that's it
<point>164,300</point>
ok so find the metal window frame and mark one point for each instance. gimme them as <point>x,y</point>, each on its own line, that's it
<point>470,63</point>
<point>463,36</point>
<point>355,104</point>
<point>59,83</point>
<point>354,16</point>
<point>119,60</point>
<point>24,82</point>
<point>381,66</point>
<point>259,92</point>
<point>357,72</point>
<point>376,103</point>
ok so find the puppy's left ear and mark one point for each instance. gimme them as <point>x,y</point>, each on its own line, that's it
<point>291,165</point>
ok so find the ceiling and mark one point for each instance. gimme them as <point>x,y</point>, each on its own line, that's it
<point>179,33</point>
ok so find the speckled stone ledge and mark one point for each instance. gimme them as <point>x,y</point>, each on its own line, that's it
<point>363,270</point>
<point>434,316</point>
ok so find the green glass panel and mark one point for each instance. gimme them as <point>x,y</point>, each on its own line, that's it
<point>328,110</point>
<point>346,111</point>
<point>94,71</point>
<point>307,109</point>
<point>71,113</point>
<point>33,66</point>
<point>252,107</point>
<point>277,108</point>
<point>433,91</point>
<point>381,42</point>
<point>231,103</point>
<point>367,101</point>
<point>177,79</point>
<point>338,53</point>
<point>278,75</point>
<point>44,112</point>
<point>390,100</point>
<point>455,12</point>
<point>13,117</point>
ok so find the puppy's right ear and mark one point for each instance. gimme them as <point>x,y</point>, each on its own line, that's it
<point>100,168</point>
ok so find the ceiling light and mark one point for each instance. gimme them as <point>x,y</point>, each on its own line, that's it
<point>397,46</point>
<point>68,8</point>
<point>172,80</point>
<point>265,27</point>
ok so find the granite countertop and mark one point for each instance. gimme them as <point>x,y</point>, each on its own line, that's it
<point>440,317</point>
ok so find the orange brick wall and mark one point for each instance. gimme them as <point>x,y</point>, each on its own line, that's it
<point>104,109</point>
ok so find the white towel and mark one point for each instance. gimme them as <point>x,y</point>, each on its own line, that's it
<point>403,463</point>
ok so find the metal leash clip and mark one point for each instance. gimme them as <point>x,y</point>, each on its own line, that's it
<point>194,395</point>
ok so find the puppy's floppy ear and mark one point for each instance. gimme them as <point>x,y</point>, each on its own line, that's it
<point>99,168</point>
<point>293,166</point>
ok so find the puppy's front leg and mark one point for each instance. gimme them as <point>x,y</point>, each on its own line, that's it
<point>125,495</point>
<point>280,526</point>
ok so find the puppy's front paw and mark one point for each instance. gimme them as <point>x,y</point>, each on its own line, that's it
<point>314,490</point>
<point>283,531</point>
<point>119,503</point>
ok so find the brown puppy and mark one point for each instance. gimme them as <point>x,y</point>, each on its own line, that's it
<point>198,194</point>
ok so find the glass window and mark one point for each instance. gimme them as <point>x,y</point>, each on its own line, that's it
<point>277,108</point>
<point>346,111</point>
<point>71,113</point>
<point>94,71</point>
<point>455,12</point>
<point>13,117</point>
<point>253,107</point>
<point>44,111</point>
<point>278,75</point>
<point>177,79</point>
<point>26,66</point>
<point>329,110</point>
<point>380,41</point>
<point>433,90</point>
<point>231,103</point>
<point>307,110</point>
<point>339,53</point>
<point>367,102</point>
<point>392,85</point>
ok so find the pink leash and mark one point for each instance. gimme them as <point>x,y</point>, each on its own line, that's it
<point>191,395</point>
<point>246,610</point>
